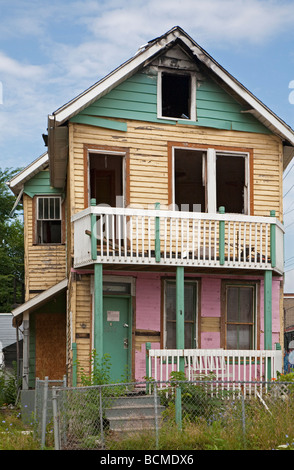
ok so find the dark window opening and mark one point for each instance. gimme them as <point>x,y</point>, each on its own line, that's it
<point>176,94</point>
<point>230,183</point>
<point>190,171</point>
<point>106,179</point>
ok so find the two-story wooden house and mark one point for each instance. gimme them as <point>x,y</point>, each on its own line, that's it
<point>154,218</point>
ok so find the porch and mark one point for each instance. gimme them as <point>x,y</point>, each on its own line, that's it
<point>127,236</point>
<point>232,368</point>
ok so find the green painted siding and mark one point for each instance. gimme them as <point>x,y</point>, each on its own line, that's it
<point>136,99</point>
<point>40,184</point>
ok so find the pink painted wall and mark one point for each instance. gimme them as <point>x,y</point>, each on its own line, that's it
<point>148,311</point>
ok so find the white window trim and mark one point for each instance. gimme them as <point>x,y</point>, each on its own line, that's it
<point>110,153</point>
<point>193,113</point>
<point>211,154</point>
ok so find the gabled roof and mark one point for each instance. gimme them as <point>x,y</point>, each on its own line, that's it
<point>17,182</point>
<point>39,299</point>
<point>57,144</point>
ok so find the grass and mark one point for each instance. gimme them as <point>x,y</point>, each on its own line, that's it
<point>14,435</point>
<point>263,430</point>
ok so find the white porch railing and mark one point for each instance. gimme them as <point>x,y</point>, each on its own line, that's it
<point>233,368</point>
<point>130,236</point>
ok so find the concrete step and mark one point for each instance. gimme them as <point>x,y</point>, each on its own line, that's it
<point>132,413</point>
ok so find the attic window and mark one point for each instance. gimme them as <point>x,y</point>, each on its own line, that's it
<point>176,95</point>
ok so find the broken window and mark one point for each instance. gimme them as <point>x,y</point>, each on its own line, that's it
<point>230,183</point>
<point>176,95</point>
<point>189,180</point>
<point>204,180</point>
<point>49,219</point>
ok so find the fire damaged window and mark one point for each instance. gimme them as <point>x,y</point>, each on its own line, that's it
<point>48,219</point>
<point>176,95</point>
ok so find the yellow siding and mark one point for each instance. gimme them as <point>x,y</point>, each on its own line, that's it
<point>148,152</point>
<point>44,265</point>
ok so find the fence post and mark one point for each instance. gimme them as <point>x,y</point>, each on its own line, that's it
<point>156,415</point>
<point>148,371</point>
<point>101,417</point>
<point>55,420</point>
<point>44,413</point>
<point>178,403</point>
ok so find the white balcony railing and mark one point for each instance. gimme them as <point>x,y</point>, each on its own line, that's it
<point>130,236</point>
<point>245,370</point>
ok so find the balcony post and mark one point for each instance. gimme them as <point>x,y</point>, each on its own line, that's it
<point>93,233</point>
<point>157,234</point>
<point>221,247</point>
<point>273,241</point>
<point>98,310</point>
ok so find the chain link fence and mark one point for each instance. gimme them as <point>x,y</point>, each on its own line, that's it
<point>102,416</point>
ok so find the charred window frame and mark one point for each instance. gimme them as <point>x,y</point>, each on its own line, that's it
<point>48,220</point>
<point>176,95</point>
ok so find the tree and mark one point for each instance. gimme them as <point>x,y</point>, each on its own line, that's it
<point>11,246</point>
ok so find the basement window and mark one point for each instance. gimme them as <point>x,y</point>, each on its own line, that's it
<point>48,220</point>
<point>176,96</point>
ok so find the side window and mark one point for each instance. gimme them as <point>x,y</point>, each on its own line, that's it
<point>48,214</point>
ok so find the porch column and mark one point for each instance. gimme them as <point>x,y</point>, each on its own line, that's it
<point>268,309</point>
<point>268,317</point>
<point>180,324</point>
<point>98,310</point>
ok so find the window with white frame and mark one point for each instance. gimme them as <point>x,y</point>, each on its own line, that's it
<point>176,95</point>
<point>205,179</point>
<point>190,315</point>
<point>48,228</point>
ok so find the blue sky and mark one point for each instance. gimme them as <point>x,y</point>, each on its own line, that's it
<point>52,51</point>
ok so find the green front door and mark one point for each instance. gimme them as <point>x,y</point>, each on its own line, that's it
<point>117,336</point>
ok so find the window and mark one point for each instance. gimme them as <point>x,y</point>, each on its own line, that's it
<point>190,315</point>
<point>240,317</point>
<point>48,219</point>
<point>206,179</point>
<point>177,95</point>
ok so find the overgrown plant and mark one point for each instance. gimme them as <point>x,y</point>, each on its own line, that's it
<point>9,386</point>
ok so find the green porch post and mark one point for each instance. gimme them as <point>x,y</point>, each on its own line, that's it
<point>180,320</point>
<point>180,336</point>
<point>98,310</point>
<point>268,315</point>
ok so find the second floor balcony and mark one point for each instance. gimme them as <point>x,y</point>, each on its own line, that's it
<point>129,236</point>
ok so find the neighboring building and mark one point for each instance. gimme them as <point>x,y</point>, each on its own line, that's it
<point>110,263</point>
<point>10,343</point>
